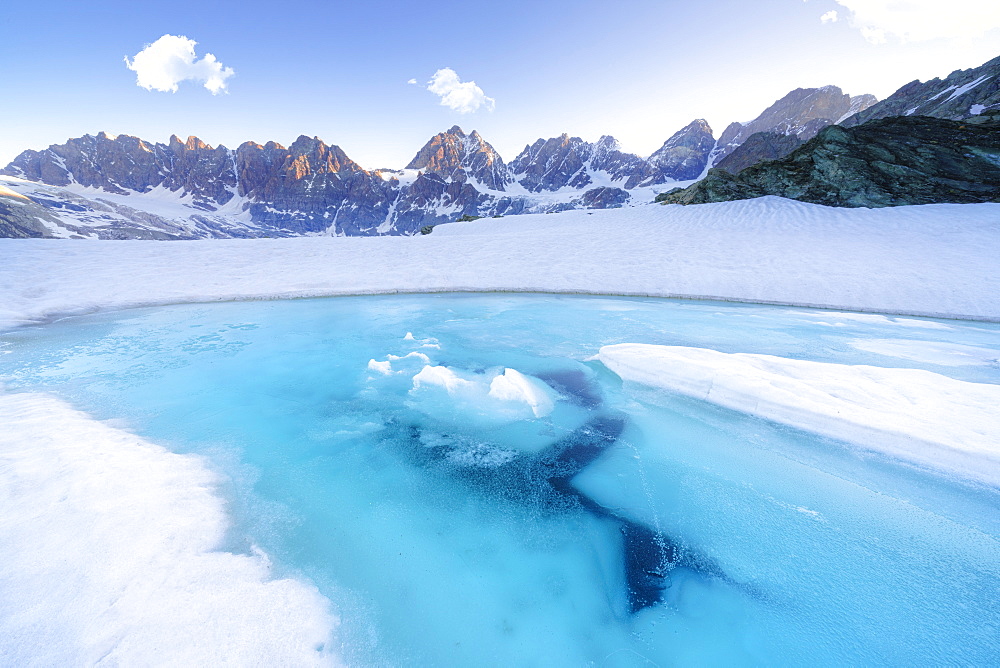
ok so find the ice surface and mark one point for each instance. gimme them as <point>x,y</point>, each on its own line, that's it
<point>445,526</point>
<point>912,414</point>
<point>932,352</point>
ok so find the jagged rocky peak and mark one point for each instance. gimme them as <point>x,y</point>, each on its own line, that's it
<point>192,144</point>
<point>311,155</point>
<point>551,164</point>
<point>456,155</point>
<point>565,161</point>
<point>307,174</point>
<point>962,94</point>
<point>684,155</point>
<point>803,112</point>
<point>607,156</point>
<point>124,164</point>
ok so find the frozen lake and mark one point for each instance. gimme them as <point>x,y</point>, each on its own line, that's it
<point>468,486</point>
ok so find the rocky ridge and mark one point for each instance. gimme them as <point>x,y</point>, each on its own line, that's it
<point>889,161</point>
<point>962,94</point>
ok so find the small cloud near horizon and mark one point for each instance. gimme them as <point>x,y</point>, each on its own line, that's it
<point>412,81</point>
<point>464,97</point>
<point>170,60</point>
<point>919,20</point>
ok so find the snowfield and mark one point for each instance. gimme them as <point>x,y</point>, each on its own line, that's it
<point>935,259</point>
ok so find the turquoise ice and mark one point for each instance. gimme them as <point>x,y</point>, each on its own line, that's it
<point>418,508</point>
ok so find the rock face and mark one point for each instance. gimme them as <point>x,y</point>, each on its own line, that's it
<point>684,156</point>
<point>885,162</point>
<point>962,94</point>
<point>803,113</point>
<point>759,146</point>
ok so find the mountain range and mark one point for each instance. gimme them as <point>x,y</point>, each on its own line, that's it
<point>118,187</point>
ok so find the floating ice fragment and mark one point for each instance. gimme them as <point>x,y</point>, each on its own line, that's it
<point>515,386</point>
<point>910,414</point>
<point>440,376</point>
<point>384,368</point>
<point>420,356</point>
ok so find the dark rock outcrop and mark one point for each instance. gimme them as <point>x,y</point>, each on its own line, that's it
<point>603,197</point>
<point>962,94</point>
<point>885,162</point>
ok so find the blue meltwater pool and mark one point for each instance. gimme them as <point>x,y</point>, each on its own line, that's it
<point>469,486</point>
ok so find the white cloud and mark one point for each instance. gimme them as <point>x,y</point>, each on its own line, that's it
<point>412,81</point>
<point>921,20</point>
<point>829,17</point>
<point>170,60</point>
<point>462,96</point>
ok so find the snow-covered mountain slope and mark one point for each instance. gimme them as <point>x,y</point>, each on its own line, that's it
<point>564,161</point>
<point>762,250</point>
<point>32,209</point>
<point>962,94</point>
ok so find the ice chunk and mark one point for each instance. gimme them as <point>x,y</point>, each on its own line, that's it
<point>464,398</point>
<point>384,368</point>
<point>914,415</point>
<point>515,386</point>
<point>441,376</point>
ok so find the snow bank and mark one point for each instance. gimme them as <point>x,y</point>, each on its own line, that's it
<point>935,259</point>
<point>109,547</point>
<point>914,415</point>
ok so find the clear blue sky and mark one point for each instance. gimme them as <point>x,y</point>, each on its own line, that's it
<point>636,69</point>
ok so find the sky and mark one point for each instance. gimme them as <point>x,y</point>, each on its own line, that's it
<point>380,78</point>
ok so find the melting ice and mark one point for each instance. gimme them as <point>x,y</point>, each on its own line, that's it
<point>466,485</point>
